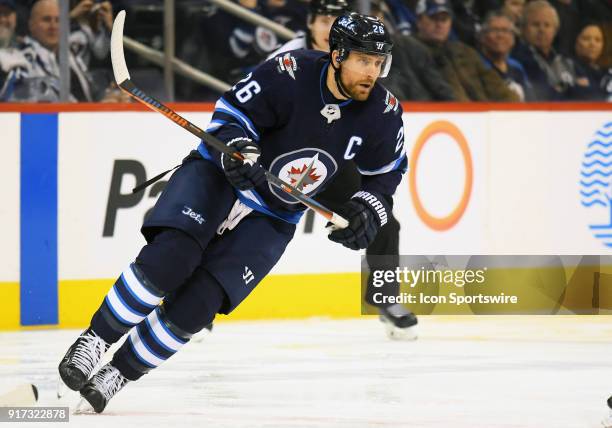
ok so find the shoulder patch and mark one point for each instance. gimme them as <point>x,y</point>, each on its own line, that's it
<point>287,63</point>
<point>391,103</point>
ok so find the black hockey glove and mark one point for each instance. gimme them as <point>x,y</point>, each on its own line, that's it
<point>366,213</point>
<point>243,175</point>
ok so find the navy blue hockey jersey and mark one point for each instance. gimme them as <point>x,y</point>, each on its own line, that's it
<point>279,106</point>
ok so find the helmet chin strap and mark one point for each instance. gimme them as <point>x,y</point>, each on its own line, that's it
<point>339,81</point>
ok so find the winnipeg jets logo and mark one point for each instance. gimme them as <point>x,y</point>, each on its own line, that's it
<point>306,169</point>
<point>192,214</point>
<point>391,103</point>
<point>347,23</point>
<point>299,180</point>
<point>287,63</point>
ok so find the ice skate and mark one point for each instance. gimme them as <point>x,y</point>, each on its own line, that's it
<point>400,323</point>
<point>102,387</point>
<point>81,360</point>
<point>202,334</point>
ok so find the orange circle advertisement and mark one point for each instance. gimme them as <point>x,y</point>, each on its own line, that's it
<point>445,222</point>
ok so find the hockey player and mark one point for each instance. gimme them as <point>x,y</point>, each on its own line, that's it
<point>321,16</point>
<point>399,321</point>
<point>218,228</point>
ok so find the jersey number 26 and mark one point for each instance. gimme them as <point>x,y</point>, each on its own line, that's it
<point>247,91</point>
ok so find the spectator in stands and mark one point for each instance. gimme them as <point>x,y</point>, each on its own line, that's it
<point>413,75</point>
<point>514,9</point>
<point>92,26</point>
<point>467,18</point>
<point>8,23</point>
<point>496,43</point>
<point>600,11</point>
<point>589,47</point>
<point>553,76</point>
<point>40,80</point>
<point>570,20</point>
<point>321,16</point>
<point>401,15</point>
<point>10,57</point>
<point>459,63</point>
<point>234,46</point>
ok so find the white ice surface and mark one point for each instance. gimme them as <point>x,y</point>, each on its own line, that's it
<point>462,372</point>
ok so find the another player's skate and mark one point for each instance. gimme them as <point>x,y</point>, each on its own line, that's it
<point>202,334</point>
<point>102,387</point>
<point>81,360</point>
<point>399,322</point>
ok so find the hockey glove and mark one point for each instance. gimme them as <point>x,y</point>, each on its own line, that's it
<point>366,213</point>
<point>246,174</point>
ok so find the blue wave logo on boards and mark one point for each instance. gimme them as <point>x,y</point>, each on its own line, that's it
<point>596,183</point>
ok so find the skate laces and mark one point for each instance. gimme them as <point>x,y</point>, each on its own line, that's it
<point>88,352</point>
<point>109,381</point>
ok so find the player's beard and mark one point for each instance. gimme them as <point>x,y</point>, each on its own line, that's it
<point>359,89</point>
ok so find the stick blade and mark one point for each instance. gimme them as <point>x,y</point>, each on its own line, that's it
<point>117,56</point>
<point>20,396</point>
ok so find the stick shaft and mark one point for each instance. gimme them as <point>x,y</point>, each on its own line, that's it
<point>131,89</point>
<point>122,77</point>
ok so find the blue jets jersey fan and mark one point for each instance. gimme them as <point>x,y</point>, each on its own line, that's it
<point>286,107</point>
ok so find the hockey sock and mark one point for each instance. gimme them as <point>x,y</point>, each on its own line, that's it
<point>129,301</point>
<point>149,344</point>
<point>170,325</point>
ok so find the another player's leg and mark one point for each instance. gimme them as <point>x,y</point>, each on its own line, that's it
<point>159,336</point>
<point>383,253</point>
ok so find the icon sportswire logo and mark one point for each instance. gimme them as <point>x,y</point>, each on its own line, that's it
<point>596,183</point>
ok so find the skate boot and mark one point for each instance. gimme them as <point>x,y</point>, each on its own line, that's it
<point>101,388</point>
<point>81,359</point>
<point>399,322</point>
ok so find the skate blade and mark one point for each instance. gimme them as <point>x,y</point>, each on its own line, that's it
<point>404,334</point>
<point>84,408</point>
<point>199,338</point>
<point>62,389</point>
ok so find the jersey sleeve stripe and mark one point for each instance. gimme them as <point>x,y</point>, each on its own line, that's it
<point>223,106</point>
<point>392,166</point>
<point>215,124</point>
<point>204,151</point>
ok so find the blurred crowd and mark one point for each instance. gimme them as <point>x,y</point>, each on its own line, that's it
<point>444,50</point>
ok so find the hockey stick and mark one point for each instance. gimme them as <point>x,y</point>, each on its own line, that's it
<point>122,77</point>
<point>20,396</point>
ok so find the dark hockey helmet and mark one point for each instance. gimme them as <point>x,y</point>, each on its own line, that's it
<point>356,32</point>
<point>328,7</point>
